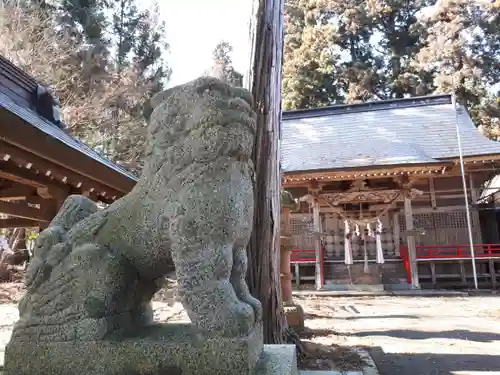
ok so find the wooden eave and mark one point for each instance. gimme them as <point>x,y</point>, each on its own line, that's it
<point>37,153</point>
<point>445,167</point>
<point>35,150</point>
<point>476,161</point>
<point>426,170</point>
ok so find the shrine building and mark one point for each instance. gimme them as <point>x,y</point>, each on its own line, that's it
<point>382,195</point>
<point>41,164</point>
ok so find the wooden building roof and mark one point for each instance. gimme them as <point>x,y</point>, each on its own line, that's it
<point>413,132</point>
<point>30,129</point>
<point>38,158</point>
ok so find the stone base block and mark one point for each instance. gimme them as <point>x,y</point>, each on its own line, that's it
<point>277,360</point>
<point>355,287</point>
<point>167,349</point>
<point>294,316</point>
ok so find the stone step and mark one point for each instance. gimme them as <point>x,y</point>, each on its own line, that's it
<point>355,287</point>
<point>322,372</point>
<point>277,360</point>
<point>339,273</point>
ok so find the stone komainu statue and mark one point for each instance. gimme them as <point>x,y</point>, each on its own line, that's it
<point>95,271</point>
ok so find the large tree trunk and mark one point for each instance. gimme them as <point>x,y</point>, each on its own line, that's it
<point>265,83</point>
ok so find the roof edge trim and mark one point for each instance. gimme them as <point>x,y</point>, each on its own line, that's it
<point>342,109</point>
<point>435,164</point>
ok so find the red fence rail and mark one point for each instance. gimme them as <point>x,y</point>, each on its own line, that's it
<point>308,256</point>
<point>453,251</point>
<point>438,252</point>
<point>449,252</point>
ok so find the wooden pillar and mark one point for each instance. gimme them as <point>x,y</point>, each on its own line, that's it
<point>463,275</point>
<point>476,225</point>
<point>317,245</point>
<point>493,273</point>
<point>396,233</point>
<point>412,250</point>
<point>286,246</point>
<point>297,275</point>
<point>433,274</point>
<point>432,191</point>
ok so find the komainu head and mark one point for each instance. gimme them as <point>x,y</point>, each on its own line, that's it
<point>199,122</point>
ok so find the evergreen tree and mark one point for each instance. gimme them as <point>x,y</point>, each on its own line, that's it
<point>400,37</point>
<point>149,51</point>
<point>223,64</point>
<point>354,50</point>
<point>462,53</point>
<point>310,59</point>
<point>126,18</point>
<point>140,48</point>
<point>86,15</point>
<point>359,68</point>
<point>447,54</point>
<point>104,73</point>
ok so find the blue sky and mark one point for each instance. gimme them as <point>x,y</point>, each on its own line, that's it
<point>194,27</point>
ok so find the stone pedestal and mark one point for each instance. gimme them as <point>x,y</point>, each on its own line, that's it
<point>166,349</point>
<point>294,316</point>
<point>277,360</point>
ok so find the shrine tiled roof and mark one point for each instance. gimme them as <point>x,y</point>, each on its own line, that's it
<point>386,133</point>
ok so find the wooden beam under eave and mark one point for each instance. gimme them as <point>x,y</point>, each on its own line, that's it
<point>24,135</point>
<point>413,172</point>
<point>23,176</point>
<point>18,223</point>
<point>22,210</point>
<point>73,178</point>
<point>16,192</point>
<point>19,177</point>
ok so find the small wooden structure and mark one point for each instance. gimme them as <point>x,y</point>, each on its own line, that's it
<point>384,203</point>
<point>40,164</point>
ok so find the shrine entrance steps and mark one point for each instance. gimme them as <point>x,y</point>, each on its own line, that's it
<point>390,275</point>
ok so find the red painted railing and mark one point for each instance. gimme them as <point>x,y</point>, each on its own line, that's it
<point>449,252</point>
<point>305,256</point>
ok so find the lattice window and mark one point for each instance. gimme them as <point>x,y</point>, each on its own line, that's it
<point>301,229</point>
<point>456,219</point>
<point>437,220</point>
<point>301,226</point>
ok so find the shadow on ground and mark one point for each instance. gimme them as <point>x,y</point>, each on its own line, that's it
<point>423,335</point>
<point>313,315</point>
<point>310,333</point>
<point>431,363</point>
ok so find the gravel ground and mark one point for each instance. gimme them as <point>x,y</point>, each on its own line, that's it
<point>164,305</point>
<point>404,335</point>
<point>163,312</point>
<point>414,335</point>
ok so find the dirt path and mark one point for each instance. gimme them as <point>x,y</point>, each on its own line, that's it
<point>404,335</point>
<point>415,335</point>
